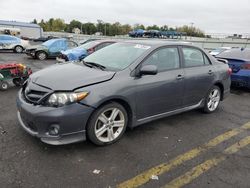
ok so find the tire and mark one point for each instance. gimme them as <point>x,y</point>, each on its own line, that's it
<point>17,82</point>
<point>4,85</point>
<point>18,49</point>
<point>103,129</point>
<point>41,55</point>
<point>212,100</point>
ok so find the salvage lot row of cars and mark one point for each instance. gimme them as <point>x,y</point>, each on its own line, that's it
<point>107,90</point>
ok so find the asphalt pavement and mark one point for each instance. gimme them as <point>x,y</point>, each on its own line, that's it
<point>191,149</point>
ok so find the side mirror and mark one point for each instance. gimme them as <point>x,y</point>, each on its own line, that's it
<point>148,70</point>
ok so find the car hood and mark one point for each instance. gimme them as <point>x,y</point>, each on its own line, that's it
<point>75,54</point>
<point>69,76</point>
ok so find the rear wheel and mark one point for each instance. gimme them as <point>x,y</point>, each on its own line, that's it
<point>41,55</point>
<point>107,124</point>
<point>4,85</point>
<point>212,100</point>
<point>18,49</point>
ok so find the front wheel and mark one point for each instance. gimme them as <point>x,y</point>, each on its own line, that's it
<point>212,100</point>
<point>107,124</point>
<point>41,55</point>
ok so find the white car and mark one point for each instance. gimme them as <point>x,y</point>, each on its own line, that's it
<point>8,42</point>
<point>217,51</point>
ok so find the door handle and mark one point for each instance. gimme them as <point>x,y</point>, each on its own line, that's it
<point>210,72</point>
<point>179,77</point>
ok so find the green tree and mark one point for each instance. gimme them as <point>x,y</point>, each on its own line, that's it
<point>164,28</point>
<point>153,27</point>
<point>34,21</point>
<point>139,26</point>
<point>73,24</point>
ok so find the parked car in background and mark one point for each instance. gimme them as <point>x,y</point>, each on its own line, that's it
<point>50,48</point>
<point>152,33</point>
<point>122,85</point>
<point>219,50</point>
<point>136,33</point>
<point>8,42</point>
<point>80,52</point>
<point>239,61</point>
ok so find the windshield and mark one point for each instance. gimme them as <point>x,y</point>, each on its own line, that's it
<point>117,56</point>
<point>49,42</point>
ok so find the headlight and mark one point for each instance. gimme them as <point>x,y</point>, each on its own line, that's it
<point>61,99</point>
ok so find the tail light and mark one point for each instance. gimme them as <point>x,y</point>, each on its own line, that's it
<point>229,71</point>
<point>91,50</point>
<point>246,66</point>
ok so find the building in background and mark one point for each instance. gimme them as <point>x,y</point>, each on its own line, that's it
<point>26,30</point>
<point>76,30</point>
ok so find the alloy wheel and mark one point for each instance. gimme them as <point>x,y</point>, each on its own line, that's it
<point>213,99</point>
<point>18,49</point>
<point>41,56</point>
<point>109,125</point>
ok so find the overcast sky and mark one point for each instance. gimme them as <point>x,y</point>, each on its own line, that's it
<point>212,16</point>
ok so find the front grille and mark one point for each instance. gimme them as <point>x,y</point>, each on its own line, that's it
<point>34,96</point>
<point>33,93</point>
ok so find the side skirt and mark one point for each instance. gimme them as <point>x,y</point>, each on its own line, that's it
<point>170,113</point>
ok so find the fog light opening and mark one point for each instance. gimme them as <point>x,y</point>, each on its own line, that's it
<point>54,130</point>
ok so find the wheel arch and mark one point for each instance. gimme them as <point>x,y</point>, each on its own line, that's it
<point>122,102</point>
<point>220,85</point>
<point>14,48</point>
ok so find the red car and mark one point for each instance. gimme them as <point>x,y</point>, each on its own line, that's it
<point>80,52</point>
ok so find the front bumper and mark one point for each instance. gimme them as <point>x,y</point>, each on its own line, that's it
<point>30,53</point>
<point>37,120</point>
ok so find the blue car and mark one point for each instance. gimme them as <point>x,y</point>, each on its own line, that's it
<point>239,61</point>
<point>137,33</point>
<point>79,53</point>
<point>8,42</point>
<point>50,48</point>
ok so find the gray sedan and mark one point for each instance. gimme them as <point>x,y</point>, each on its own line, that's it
<point>120,86</point>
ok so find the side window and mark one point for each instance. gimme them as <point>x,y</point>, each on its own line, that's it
<point>71,44</point>
<point>193,57</point>
<point>102,45</point>
<point>207,61</point>
<point>164,59</point>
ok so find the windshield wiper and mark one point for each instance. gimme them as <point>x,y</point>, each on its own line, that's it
<point>92,64</point>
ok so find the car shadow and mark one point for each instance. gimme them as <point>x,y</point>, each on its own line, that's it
<point>239,90</point>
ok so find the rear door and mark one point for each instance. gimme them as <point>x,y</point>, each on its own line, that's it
<point>162,92</point>
<point>199,75</point>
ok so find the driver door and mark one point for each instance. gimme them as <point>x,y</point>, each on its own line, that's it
<point>162,92</point>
